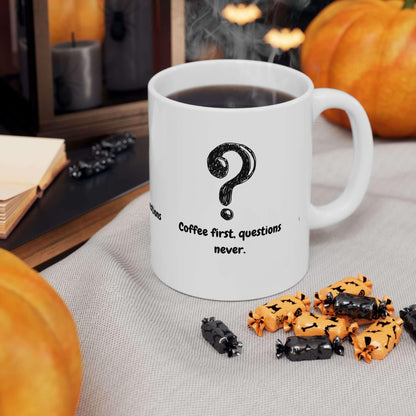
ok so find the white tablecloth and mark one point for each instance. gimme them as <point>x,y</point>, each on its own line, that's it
<point>142,347</point>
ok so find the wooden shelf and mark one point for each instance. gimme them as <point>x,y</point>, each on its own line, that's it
<point>105,120</point>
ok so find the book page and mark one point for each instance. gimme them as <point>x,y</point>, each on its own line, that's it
<point>7,226</point>
<point>50,175</point>
<point>10,190</point>
<point>25,161</point>
<point>9,206</point>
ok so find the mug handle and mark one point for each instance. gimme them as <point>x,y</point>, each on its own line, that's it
<point>348,201</point>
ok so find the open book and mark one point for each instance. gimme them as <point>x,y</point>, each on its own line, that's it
<point>27,166</point>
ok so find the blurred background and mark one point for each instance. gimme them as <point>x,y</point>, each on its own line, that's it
<point>271,30</point>
<point>79,68</point>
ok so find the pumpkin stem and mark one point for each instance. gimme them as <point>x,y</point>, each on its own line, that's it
<point>409,4</point>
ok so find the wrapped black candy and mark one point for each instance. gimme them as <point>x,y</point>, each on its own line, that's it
<point>360,308</point>
<point>317,347</point>
<point>84,168</point>
<point>115,144</point>
<point>409,318</point>
<point>104,156</point>
<point>220,337</point>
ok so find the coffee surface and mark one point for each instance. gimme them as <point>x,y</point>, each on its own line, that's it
<point>230,96</point>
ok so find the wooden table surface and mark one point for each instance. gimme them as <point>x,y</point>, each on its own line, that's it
<point>52,244</point>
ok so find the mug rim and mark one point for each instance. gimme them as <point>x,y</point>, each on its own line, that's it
<point>152,90</point>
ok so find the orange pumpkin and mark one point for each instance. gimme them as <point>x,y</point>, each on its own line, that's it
<point>368,49</point>
<point>84,18</point>
<point>40,359</point>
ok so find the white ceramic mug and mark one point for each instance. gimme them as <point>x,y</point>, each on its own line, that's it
<point>264,248</point>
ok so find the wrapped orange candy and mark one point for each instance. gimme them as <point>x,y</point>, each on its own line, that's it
<point>378,339</point>
<point>272,315</point>
<point>309,324</point>
<point>360,286</point>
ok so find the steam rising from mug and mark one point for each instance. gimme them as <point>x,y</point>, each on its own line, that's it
<point>218,167</point>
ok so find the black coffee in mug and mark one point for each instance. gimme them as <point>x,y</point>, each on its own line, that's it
<point>230,96</point>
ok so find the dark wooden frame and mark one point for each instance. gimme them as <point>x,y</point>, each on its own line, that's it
<point>81,125</point>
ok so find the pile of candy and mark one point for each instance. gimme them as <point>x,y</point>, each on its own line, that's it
<point>343,306</point>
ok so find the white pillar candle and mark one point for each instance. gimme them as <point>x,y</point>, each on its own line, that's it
<point>128,44</point>
<point>77,75</point>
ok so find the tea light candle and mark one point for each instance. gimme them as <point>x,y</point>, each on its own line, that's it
<point>128,44</point>
<point>77,75</point>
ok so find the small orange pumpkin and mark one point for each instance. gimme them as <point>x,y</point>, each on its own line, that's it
<point>40,358</point>
<point>368,49</point>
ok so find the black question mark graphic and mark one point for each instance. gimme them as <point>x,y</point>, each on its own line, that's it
<point>218,166</point>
